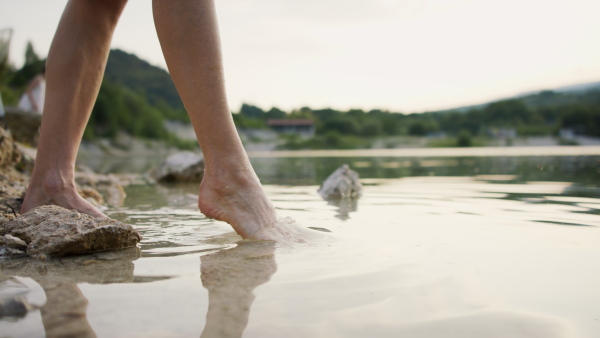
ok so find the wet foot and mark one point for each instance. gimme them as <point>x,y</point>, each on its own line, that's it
<point>241,201</point>
<point>287,231</point>
<point>66,197</point>
<point>237,199</point>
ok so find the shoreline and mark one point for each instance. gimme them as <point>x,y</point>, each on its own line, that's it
<point>437,152</point>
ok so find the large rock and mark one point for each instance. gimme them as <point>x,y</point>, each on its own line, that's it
<point>342,183</point>
<point>185,166</point>
<point>51,231</point>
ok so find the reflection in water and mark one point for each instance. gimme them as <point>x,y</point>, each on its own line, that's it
<point>344,206</point>
<point>313,170</point>
<point>408,262</point>
<point>64,314</point>
<point>230,277</point>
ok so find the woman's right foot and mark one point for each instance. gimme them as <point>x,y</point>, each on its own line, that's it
<point>239,199</point>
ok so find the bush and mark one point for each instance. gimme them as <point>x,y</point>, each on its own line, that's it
<point>464,139</point>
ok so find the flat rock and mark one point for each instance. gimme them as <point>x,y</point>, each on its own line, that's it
<point>342,183</point>
<point>184,166</point>
<point>13,242</point>
<point>52,231</point>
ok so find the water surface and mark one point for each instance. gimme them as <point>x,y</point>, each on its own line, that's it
<point>460,246</point>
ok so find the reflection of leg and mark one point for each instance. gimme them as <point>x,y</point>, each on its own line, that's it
<point>230,277</point>
<point>64,314</point>
<point>75,65</point>
<point>230,190</point>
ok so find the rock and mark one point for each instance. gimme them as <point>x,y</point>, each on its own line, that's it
<point>13,182</point>
<point>9,153</point>
<point>14,307</point>
<point>342,183</point>
<point>51,231</point>
<point>23,125</point>
<point>184,166</point>
<point>27,158</point>
<point>100,189</point>
<point>13,242</point>
<point>13,247</point>
<point>91,195</point>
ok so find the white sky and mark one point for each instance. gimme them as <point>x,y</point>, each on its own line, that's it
<point>401,55</point>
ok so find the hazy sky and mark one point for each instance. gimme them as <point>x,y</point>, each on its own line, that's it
<point>401,55</point>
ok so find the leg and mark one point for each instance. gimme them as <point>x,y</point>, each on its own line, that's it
<point>75,67</point>
<point>230,190</point>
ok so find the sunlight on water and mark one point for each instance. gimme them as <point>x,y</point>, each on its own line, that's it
<point>496,253</point>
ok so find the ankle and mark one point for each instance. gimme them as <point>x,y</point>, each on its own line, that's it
<point>230,176</point>
<point>57,184</point>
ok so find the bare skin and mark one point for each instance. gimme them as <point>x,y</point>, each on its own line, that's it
<point>29,92</point>
<point>74,71</point>
<point>230,190</point>
<point>187,29</point>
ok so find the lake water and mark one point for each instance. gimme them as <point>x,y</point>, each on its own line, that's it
<point>444,244</point>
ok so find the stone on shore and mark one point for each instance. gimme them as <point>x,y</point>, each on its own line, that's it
<point>184,166</point>
<point>24,125</point>
<point>53,231</point>
<point>342,183</point>
<point>13,182</point>
<point>9,153</point>
<point>100,189</point>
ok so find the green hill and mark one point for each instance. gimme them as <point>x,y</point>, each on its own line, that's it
<point>139,76</point>
<point>136,98</point>
<point>574,94</point>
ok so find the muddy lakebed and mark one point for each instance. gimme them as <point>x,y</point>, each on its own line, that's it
<point>439,245</point>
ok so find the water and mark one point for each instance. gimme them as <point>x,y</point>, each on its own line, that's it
<point>456,246</point>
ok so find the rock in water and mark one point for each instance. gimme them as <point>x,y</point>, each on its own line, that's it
<point>51,231</point>
<point>343,183</point>
<point>185,166</point>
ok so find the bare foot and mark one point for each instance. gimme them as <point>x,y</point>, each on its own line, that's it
<point>241,201</point>
<point>55,194</point>
<point>238,199</point>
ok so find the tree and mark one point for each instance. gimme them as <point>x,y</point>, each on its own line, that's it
<point>31,56</point>
<point>371,128</point>
<point>342,125</point>
<point>417,129</point>
<point>252,111</point>
<point>275,113</point>
<point>464,139</point>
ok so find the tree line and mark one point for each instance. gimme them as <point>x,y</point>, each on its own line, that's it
<point>541,114</point>
<point>137,98</point>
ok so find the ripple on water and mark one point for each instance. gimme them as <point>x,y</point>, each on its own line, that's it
<point>417,257</point>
